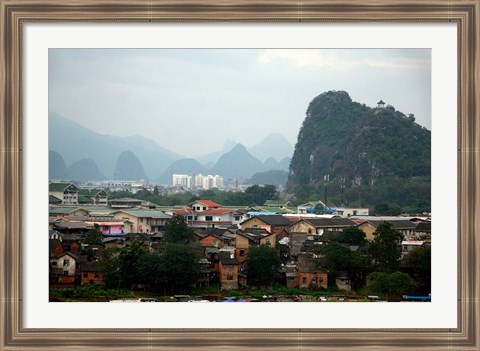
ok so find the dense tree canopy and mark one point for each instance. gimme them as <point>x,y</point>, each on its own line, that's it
<point>177,231</point>
<point>385,248</point>
<point>262,264</point>
<point>393,284</point>
<point>336,258</point>
<point>352,236</point>
<point>262,193</point>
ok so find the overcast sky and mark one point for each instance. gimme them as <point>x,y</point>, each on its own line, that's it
<point>191,100</point>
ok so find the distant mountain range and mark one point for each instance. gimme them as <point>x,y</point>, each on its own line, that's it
<point>95,156</point>
<point>75,142</point>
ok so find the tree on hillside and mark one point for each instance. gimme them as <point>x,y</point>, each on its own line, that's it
<point>385,248</point>
<point>177,231</point>
<point>262,264</point>
<point>262,193</point>
<point>387,210</point>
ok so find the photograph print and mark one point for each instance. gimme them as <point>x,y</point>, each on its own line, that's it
<point>239,175</point>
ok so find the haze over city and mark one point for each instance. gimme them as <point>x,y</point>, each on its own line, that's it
<point>191,100</point>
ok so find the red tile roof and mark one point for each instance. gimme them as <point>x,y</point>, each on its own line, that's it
<point>207,203</point>
<point>183,211</point>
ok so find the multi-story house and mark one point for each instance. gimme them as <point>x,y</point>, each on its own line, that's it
<point>67,193</point>
<point>142,221</point>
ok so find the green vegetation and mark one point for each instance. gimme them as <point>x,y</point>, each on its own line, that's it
<point>385,248</point>
<point>94,236</point>
<point>89,293</point>
<point>390,285</point>
<point>254,195</point>
<point>382,154</point>
<point>273,177</point>
<point>420,261</point>
<point>175,267</point>
<point>262,264</point>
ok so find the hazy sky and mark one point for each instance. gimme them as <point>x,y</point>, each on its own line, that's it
<point>191,100</point>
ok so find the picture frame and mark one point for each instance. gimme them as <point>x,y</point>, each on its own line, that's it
<point>15,14</point>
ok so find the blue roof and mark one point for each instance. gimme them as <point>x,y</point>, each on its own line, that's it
<point>258,213</point>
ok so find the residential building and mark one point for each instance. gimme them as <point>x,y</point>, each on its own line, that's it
<point>320,225</point>
<point>67,193</point>
<point>404,226</point>
<point>268,222</point>
<point>228,267</point>
<point>142,220</point>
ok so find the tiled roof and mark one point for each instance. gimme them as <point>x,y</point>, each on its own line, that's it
<point>225,258</point>
<point>84,199</point>
<point>214,231</point>
<point>73,225</point>
<point>183,211</point>
<point>59,186</point>
<point>63,210</point>
<point>276,203</point>
<point>423,227</point>
<point>400,224</point>
<point>276,210</point>
<point>273,219</point>
<point>54,200</point>
<point>207,203</point>
<point>146,213</point>
<point>330,222</point>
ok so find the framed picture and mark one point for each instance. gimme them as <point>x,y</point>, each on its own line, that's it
<point>449,30</point>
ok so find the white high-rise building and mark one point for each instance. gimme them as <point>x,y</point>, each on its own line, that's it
<point>208,181</point>
<point>182,180</point>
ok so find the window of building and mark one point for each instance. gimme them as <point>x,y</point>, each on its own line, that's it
<point>85,275</point>
<point>229,277</point>
<point>304,280</point>
<point>96,275</point>
<point>237,218</point>
<point>66,262</point>
<point>204,208</point>
<point>242,252</point>
<point>208,218</point>
<point>54,263</point>
<point>65,273</point>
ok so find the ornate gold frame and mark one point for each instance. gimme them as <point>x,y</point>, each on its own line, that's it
<point>15,13</point>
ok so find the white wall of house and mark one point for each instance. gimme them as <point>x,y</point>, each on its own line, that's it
<point>65,262</point>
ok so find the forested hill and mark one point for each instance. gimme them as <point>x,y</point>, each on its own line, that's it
<point>383,155</point>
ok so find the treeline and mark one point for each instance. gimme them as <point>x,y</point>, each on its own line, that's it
<point>378,264</point>
<point>255,195</point>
